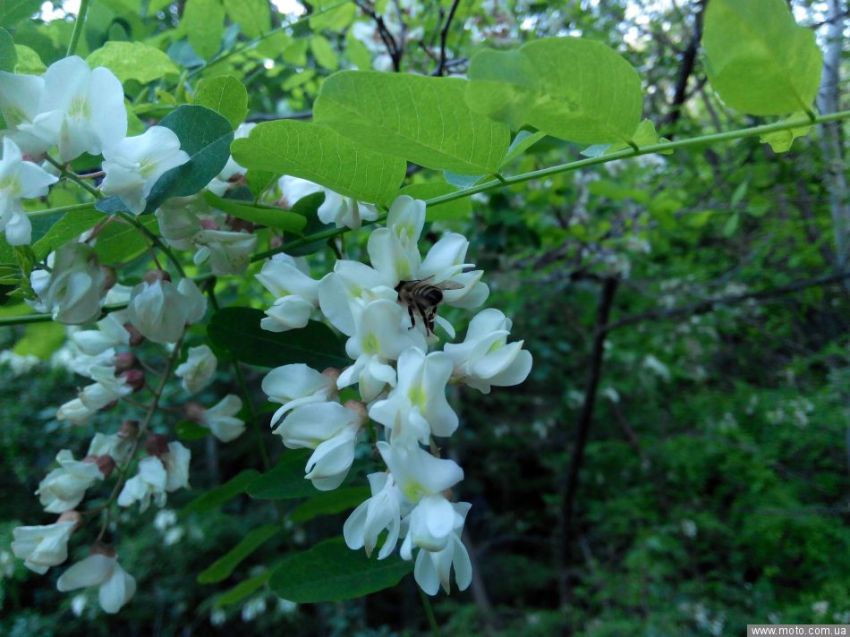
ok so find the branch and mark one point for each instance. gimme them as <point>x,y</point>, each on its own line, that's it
<point>393,49</point>
<point>271,117</point>
<point>444,35</point>
<point>609,289</point>
<point>686,69</point>
<point>703,307</point>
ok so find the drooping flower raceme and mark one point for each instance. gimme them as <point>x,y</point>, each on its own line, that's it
<point>402,378</point>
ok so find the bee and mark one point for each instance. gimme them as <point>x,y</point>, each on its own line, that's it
<point>423,298</point>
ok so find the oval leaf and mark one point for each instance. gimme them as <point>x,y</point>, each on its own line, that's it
<point>331,572</point>
<point>205,136</point>
<point>286,480</point>
<point>225,95</point>
<point>337,501</point>
<point>8,53</point>
<point>571,88</point>
<point>215,497</point>
<point>223,566</point>
<point>262,215</point>
<point>322,155</point>
<point>421,119</point>
<point>133,61</point>
<point>237,330</point>
<point>758,59</point>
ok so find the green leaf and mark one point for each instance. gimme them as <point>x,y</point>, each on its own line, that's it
<point>225,95</point>
<point>28,61</point>
<point>205,136</point>
<point>731,225</point>
<point>781,141</point>
<point>215,497</point>
<point>286,480</point>
<point>334,20</point>
<point>337,501</point>
<point>222,568</point>
<point>243,589</point>
<point>133,61</point>
<point>522,142</point>
<point>322,155</point>
<point>357,53</point>
<point>644,135</point>
<point>758,59</point>
<point>252,16</point>
<point>8,54</point>
<point>13,11</point>
<point>237,330</point>
<point>41,340</point>
<point>331,572</point>
<point>71,225</point>
<point>422,119</point>
<point>262,215</point>
<point>451,210</point>
<point>571,88</point>
<point>188,430</point>
<point>324,53</point>
<point>203,23</point>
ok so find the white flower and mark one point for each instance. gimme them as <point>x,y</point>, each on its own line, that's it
<point>160,310</point>
<point>42,546</point>
<point>221,419</point>
<point>417,473</point>
<point>72,292</point>
<point>110,333</point>
<point>115,446</point>
<point>107,389</point>
<point>63,488</point>
<point>294,385</point>
<point>381,335</point>
<point>378,513</point>
<point>394,250</point>
<point>178,221</point>
<point>417,406</point>
<point>149,483</point>
<point>20,96</point>
<point>176,463</point>
<point>329,428</point>
<point>485,358</point>
<point>222,183</point>
<point>297,294</point>
<point>116,585</point>
<point>198,370</point>
<point>433,568</point>
<point>341,211</point>
<point>348,289</point>
<point>133,165</point>
<point>429,525</point>
<point>19,179</point>
<point>228,252</point>
<point>75,412</point>
<point>80,110</point>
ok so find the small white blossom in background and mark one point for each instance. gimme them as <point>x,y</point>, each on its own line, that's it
<point>221,418</point>
<point>198,369</point>
<point>134,164</point>
<point>115,586</point>
<point>343,212</point>
<point>161,310</point>
<point>19,364</point>
<point>44,546</point>
<point>74,288</point>
<point>231,171</point>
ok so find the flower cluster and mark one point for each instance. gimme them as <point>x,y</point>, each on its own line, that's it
<point>388,312</point>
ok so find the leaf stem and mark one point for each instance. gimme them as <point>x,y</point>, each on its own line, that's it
<point>651,149</point>
<point>79,24</point>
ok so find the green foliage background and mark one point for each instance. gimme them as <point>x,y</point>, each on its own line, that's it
<point>714,488</point>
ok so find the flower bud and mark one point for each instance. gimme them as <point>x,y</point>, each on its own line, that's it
<point>125,361</point>
<point>129,429</point>
<point>332,373</point>
<point>106,464</point>
<point>135,378</point>
<point>136,337</point>
<point>99,548</point>
<point>156,275</point>
<point>110,278</point>
<point>357,407</point>
<point>156,445</point>
<point>236,224</point>
<point>194,411</point>
<point>72,516</point>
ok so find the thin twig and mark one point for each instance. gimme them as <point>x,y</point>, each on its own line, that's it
<point>444,35</point>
